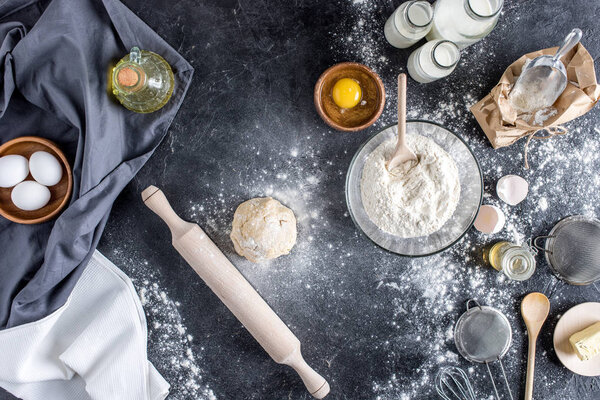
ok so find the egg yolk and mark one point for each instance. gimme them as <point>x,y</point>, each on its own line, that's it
<point>346,93</point>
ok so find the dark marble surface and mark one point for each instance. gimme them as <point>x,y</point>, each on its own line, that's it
<point>374,324</point>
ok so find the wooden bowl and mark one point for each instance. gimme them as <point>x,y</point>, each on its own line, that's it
<point>351,119</point>
<point>59,193</point>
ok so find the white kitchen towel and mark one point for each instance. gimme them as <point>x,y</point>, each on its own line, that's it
<point>92,348</point>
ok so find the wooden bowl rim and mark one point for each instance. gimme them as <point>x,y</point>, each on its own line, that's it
<point>319,104</point>
<point>63,159</point>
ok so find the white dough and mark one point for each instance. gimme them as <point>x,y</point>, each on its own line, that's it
<point>263,229</point>
<point>412,200</point>
<point>45,168</point>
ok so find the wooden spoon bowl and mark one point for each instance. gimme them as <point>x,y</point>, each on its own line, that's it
<point>350,119</point>
<point>535,308</point>
<point>59,193</point>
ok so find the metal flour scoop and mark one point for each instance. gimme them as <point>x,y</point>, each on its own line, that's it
<point>543,79</point>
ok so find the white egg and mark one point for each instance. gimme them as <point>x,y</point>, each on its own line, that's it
<point>45,168</point>
<point>13,169</point>
<point>512,189</point>
<point>490,219</point>
<point>30,195</point>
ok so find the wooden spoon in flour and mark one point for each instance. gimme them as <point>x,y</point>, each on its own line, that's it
<point>402,153</point>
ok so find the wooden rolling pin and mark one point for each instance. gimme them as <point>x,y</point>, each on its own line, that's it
<point>235,292</point>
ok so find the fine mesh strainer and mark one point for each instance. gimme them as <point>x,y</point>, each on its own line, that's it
<point>572,249</point>
<point>483,335</point>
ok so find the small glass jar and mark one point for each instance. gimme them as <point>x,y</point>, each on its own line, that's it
<point>142,81</point>
<point>433,60</point>
<point>409,23</point>
<point>516,262</point>
<point>464,21</point>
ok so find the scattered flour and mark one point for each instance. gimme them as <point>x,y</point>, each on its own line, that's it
<point>436,288</point>
<point>171,347</point>
<point>414,292</point>
<point>412,200</point>
<point>542,115</point>
<point>539,117</point>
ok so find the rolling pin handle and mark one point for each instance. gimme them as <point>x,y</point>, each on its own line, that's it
<point>156,200</point>
<point>315,383</point>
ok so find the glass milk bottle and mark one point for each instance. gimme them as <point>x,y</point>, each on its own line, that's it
<point>408,24</point>
<point>433,60</point>
<point>464,21</point>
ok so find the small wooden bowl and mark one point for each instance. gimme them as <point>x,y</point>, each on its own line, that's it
<point>59,193</point>
<point>365,113</point>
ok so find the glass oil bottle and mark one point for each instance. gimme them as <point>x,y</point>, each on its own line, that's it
<point>142,81</point>
<point>515,261</point>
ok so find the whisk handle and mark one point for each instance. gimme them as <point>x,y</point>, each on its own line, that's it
<point>570,41</point>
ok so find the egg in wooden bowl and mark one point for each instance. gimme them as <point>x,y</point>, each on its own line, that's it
<point>35,180</point>
<point>349,96</point>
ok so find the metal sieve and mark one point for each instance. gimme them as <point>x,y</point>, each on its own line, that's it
<point>572,249</point>
<point>483,335</point>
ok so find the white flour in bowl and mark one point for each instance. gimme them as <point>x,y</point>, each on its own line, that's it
<point>415,199</point>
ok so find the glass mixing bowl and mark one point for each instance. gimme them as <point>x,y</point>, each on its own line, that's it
<point>471,192</point>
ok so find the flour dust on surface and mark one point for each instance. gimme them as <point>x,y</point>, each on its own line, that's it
<point>171,347</point>
<point>428,295</point>
<point>417,300</point>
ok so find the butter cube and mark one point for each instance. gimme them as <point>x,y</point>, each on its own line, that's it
<point>586,343</point>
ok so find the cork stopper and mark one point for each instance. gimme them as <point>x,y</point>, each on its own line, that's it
<point>128,77</point>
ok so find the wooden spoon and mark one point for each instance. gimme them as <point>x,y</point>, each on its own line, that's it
<point>402,153</point>
<point>534,309</point>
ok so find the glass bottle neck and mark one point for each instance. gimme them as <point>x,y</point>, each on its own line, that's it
<point>483,10</point>
<point>417,15</point>
<point>445,54</point>
<point>130,78</point>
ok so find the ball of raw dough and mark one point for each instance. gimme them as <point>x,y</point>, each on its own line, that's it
<point>263,229</point>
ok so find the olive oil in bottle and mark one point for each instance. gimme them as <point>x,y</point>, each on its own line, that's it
<point>516,262</point>
<point>142,81</point>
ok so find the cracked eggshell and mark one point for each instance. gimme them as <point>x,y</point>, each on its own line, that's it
<point>490,219</point>
<point>512,189</point>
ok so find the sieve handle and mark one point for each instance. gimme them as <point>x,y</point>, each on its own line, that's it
<point>492,379</point>
<point>540,247</point>
<point>474,301</point>
<point>505,379</point>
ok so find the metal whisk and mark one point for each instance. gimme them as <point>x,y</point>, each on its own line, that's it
<point>452,383</point>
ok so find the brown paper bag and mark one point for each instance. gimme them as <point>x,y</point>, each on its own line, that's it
<point>500,121</point>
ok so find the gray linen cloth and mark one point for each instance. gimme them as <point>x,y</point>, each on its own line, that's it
<point>54,67</point>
